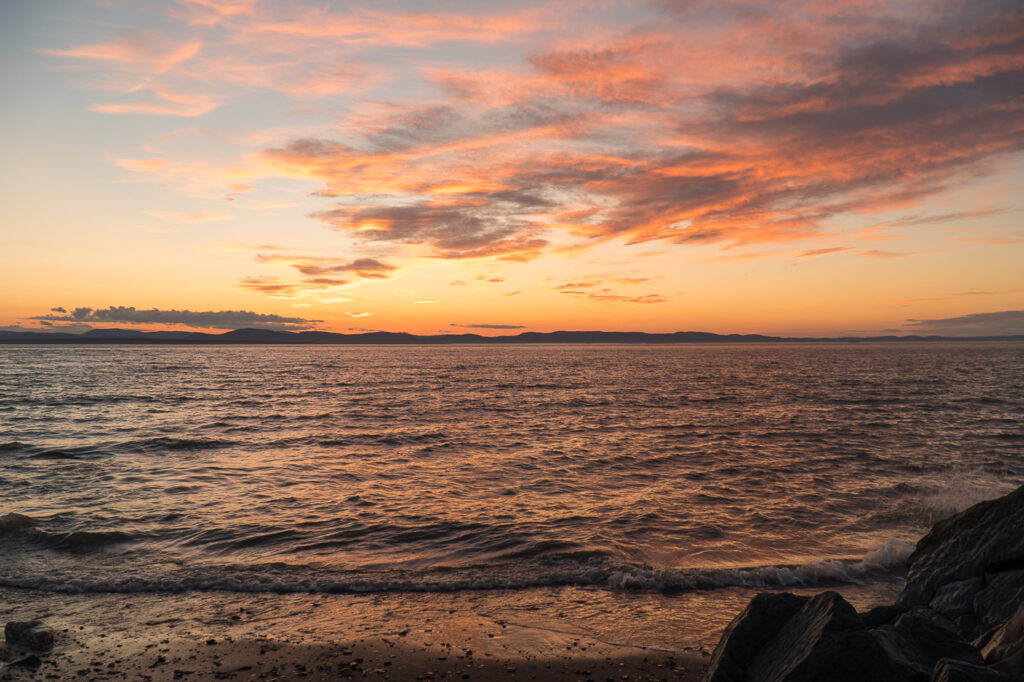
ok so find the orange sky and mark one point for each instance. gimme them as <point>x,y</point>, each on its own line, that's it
<point>799,167</point>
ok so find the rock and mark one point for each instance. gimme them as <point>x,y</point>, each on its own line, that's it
<point>1005,649</point>
<point>965,579</point>
<point>31,635</point>
<point>748,632</point>
<point>30,661</point>
<point>957,598</point>
<point>984,538</point>
<point>950,670</point>
<point>1002,594</point>
<point>824,640</point>
<point>880,615</point>
<point>919,638</point>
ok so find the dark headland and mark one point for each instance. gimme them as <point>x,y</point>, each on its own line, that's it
<point>960,618</point>
<point>270,336</point>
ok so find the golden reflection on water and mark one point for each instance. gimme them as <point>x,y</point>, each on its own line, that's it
<point>633,467</point>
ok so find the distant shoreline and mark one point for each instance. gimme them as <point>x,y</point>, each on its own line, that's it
<point>267,336</point>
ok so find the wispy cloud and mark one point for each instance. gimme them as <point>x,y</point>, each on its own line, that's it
<point>823,252</point>
<point>488,326</point>
<point>876,253</point>
<point>289,288</point>
<point>185,217</point>
<point>1001,323</point>
<point>608,296</point>
<point>320,273</point>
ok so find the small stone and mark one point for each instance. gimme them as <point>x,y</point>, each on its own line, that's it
<point>30,634</point>
<point>30,661</point>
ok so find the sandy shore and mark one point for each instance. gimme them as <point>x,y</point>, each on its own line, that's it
<point>229,636</point>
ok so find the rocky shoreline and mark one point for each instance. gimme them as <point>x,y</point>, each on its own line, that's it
<point>960,617</point>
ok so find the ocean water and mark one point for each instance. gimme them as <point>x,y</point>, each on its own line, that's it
<point>668,470</point>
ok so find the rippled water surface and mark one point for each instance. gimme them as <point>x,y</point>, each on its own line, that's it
<point>306,468</point>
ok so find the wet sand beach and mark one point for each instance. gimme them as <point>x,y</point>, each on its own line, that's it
<point>327,637</point>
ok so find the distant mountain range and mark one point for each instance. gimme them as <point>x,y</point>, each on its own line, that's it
<point>242,336</point>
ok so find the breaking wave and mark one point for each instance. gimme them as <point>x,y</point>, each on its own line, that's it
<point>589,570</point>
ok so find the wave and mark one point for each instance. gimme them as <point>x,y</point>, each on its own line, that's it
<point>19,527</point>
<point>84,540</point>
<point>12,522</point>
<point>589,569</point>
<point>886,559</point>
<point>30,451</point>
<point>24,528</point>
<point>178,444</point>
<point>156,444</point>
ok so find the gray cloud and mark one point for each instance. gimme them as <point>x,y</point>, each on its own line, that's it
<point>488,326</point>
<point>370,268</point>
<point>364,267</point>
<point>48,327</point>
<point>494,227</point>
<point>1002,323</point>
<point>209,319</point>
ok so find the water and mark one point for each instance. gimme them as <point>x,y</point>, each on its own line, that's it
<point>612,469</point>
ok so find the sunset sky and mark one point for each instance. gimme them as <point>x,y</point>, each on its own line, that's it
<point>802,167</point>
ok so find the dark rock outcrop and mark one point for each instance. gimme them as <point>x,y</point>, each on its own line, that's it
<point>880,615</point>
<point>1004,651</point>
<point>950,670</point>
<point>30,635</point>
<point>749,632</point>
<point>821,638</point>
<point>918,639</point>
<point>998,600</point>
<point>825,640</point>
<point>955,600</point>
<point>985,539</point>
<point>960,617</point>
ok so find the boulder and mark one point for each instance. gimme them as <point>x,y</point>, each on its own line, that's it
<point>30,635</point>
<point>1002,593</point>
<point>1005,648</point>
<point>880,615</point>
<point>748,632</point>
<point>825,639</point>
<point>965,581</point>
<point>956,599</point>
<point>918,639</point>
<point>983,539</point>
<point>950,670</point>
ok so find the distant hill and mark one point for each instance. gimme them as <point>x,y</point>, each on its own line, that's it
<point>258,336</point>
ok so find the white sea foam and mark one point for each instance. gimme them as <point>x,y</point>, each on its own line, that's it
<point>961,488</point>
<point>884,562</point>
<point>885,559</point>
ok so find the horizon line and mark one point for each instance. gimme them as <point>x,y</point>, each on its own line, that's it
<point>258,335</point>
